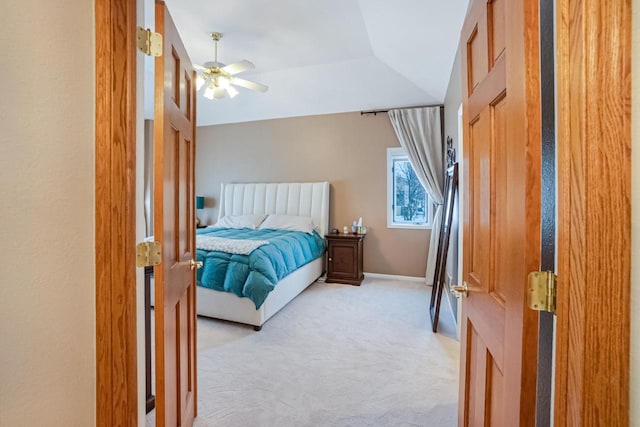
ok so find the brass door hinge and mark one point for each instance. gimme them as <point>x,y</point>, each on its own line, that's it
<point>148,254</point>
<point>542,291</point>
<point>149,43</point>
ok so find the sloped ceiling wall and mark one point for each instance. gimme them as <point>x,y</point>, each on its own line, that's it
<point>321,57</point>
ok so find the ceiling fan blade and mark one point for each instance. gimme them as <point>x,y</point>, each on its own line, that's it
<point>200,67</point>
<point>238,67</point>
<point>249,84</point>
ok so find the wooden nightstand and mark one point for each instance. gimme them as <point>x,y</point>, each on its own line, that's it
<point>344,258</point>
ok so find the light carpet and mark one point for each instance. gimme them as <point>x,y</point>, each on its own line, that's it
<point>337,355</point>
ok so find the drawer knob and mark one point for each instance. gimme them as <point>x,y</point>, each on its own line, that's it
<point>330,260</point>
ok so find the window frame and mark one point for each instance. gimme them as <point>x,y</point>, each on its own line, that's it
<point>394,153</point>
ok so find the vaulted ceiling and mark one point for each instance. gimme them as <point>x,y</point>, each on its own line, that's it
<point>320,57</point>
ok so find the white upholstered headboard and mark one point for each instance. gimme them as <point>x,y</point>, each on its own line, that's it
<point>287,198</point>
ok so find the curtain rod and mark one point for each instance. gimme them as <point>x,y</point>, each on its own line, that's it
<point>376,112</point>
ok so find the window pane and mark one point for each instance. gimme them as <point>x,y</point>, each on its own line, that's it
<point>409,197</point>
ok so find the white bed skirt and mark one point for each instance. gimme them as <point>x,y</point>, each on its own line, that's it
<point>228,306</point>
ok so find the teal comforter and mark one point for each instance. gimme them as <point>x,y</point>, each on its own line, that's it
<point>255,275</point>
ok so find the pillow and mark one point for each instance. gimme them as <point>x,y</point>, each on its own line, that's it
<point>240,221</point>
<point>288,222</point>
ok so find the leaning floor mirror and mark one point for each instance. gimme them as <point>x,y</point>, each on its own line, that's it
<point>440,274</point>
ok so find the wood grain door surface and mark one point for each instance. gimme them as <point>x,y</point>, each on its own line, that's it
<point>174,222</point>
<point>501,119</point>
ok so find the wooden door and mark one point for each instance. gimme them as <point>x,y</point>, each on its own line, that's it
<point>501,117</point>
<point>174,222</point>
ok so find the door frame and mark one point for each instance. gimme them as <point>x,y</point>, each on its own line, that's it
<point>594,212</point>
<point>588,189</point>
<point>115,213</point>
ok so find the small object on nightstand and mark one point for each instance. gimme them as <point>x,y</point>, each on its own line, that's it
<point>345,258</point>
<point>335,231</point>
<point>345,230</point>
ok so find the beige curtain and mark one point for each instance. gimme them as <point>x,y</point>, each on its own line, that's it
<point>148,176</point>
<point>419,131</point>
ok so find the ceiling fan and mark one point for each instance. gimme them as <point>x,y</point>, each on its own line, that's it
<point>217,79</point>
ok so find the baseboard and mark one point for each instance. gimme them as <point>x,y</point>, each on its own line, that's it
<point>395,277</point>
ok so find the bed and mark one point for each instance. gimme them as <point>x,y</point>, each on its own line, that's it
<point>294,199</point>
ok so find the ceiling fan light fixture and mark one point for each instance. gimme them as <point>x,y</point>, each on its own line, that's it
<point>208,93</point>
<point>200,81</point>
<point>223,82</point>
<point>232,91</point>
<point>219,93</point>
<point>219,79</point>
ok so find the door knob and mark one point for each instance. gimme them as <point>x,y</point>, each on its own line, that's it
<point>459,291</point>
<point>195,264</point>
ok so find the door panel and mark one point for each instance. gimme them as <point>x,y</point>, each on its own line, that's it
<point>174,222</point>
<point>495,381</point>
<point>496,29</point>
<point>343,259</point>
<point>477,59</point>
<point>476,378</point>
<point>502,245</point>
<point>486,382</point>
<point>500,112</point>
<point>479,169</point>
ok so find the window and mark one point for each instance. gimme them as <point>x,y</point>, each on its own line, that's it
<point>408,204</point>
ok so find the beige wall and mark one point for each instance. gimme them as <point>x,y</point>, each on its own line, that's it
<point>349,150</point>
<point>47,307</point>
<point>452,102</point>
<point>635,222</point>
